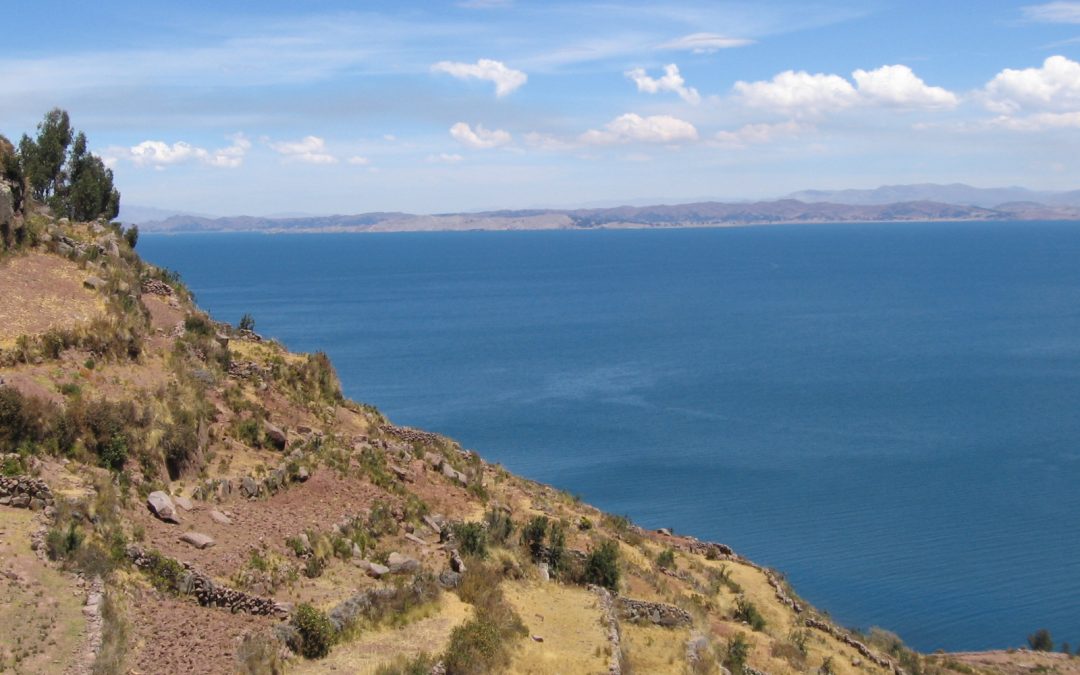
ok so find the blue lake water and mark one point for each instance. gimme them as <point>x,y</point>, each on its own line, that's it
<point>889,414</point>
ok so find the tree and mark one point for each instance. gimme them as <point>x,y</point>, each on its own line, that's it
<point>247,322</point>
<point>131,236</point>
<point>602,566</point>
<point>1041,641</point>
<point>43,158</point>
<point>63,173</point>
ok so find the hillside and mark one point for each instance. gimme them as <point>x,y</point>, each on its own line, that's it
<point>702,214</point>
<point>181,495</point>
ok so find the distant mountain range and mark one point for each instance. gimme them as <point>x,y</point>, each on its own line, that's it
<point>889,203</point>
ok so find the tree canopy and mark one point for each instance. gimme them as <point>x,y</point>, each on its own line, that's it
<point>61,172</point>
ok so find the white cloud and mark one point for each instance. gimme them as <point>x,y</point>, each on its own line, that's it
<point>753,134</point>
<point>632,127</point>
<point>309,149</point>
<point>704,43</point>
<point>1038,122</point>
<point>506,79</point>
<point>799,92</point>
<point>898,86</point>
<point>802,93</point>
<point>159,154</point>
<point>535,139</point>
<point>357,160</point>
<point>1053,87</point>
<point>671,81</point>
<point>1054,12</point>
<point>444,158</point>
<point>480,137</point>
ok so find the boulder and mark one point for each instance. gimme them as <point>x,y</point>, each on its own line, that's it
<point>453,474</point>
<point>220,518</point>
<point>449,579</point>
<point>7,203</point>
<point>95,283</point>
<point>433,524</point>
<point>415,539</point>
<point>302,474</point>
<point>197,539</point>
<point>275,435</point>
<point>545,571</point>
<point>184,503</point>
<point>161,505</point>
<point>249,487</point>
<point>375,569</point>
<point>402,564</point>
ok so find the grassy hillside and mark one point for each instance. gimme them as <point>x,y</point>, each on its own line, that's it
<point>182,496</point>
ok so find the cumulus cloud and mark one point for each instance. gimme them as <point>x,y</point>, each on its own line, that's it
<point>479,138</point>
<point>1038,122</point>
<point>1054,12</point>
<point>704,43</point>
<point>506,80</point>
<point>357,160</point>
<point>159,154</point>
<point>899,86</point>
<point>309,149</point>
<point>671,81</point>
<point>805,93</point>
<point>753,134</point>
<point>1055,86</point>
<point>631,127</point>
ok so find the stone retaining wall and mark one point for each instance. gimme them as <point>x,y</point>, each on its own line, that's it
<point>781,593</point>
<point>210,594</point>
<point>611,624</point>
<point>25,492</point>
<point>659,613</point>
<point>852,642</point>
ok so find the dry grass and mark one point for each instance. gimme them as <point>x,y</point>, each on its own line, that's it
<point>41,624</point>
<point>568,620</point>
<point>371,649</point>
<point>651,649</point>
<point>40,292</point>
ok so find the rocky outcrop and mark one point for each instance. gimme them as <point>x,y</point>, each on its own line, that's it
<point>156,287</point>
<point>658,613</point>
<point>842,636</point>
<point>25,492</point>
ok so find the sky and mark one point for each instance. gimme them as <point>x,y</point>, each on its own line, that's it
<point>263,107</point>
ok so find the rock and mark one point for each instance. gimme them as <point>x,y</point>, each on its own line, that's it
<point>302,474</point>
<point>36,504</point>
<point>7,203</point>
<point>21,501</point>
<point>197,539</point>
<point>453,474</point>
<point>222,339</point>
<point>449,579</point>
<point>305,543</point>
<point>545,571</point>
<point>433,524</point>
<point>664,531</point>
<point>275,435</point>
<point>184,503</point>
<point>249,487</point>
<point>95,283</point>
<point>402,564</point>
<point>161,505</point>
<point>220,518</point>
<point>63,249</point>
<point>415,539</point>
<point>537,638</point>
<point>376,570</point>
<point>434,460</point>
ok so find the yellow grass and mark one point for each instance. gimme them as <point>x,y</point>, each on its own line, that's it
<point>568,620</point>
<point>372,649</point>
<point>40,292</point>
<point>655,650</point>
<point>42,622</point>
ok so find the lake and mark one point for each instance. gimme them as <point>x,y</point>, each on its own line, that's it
<point>887,413</point>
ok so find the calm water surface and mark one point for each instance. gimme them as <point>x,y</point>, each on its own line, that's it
<point>890,414</point>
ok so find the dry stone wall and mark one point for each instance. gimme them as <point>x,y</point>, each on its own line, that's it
<point>659,613</point>
<point>840,635</point>
<point>25,492</point>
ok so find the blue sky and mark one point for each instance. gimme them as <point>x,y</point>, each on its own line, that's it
<point>341,107</point>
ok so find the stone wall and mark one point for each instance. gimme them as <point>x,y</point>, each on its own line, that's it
<point>209,594</point>
<point>25,492</point>
<point>852,642</point>
<point>611,625</point>
<point>658,613</point>
<point>781,593</point>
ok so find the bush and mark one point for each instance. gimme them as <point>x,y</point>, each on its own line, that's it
<point>316,631</point>
<point>475,647</point>
<point>258,654</point>
<point>736,652</point>
<point>602,566</point>
<point>422,664</point>
<point>748,613</point>
<point>666,559</point>
<point>1041,641</point>
<point>131,236</point>
<point>533,534</point>
<point>557,546</point>
<point>499,526</point>
<point>247,322</point>
<point>61,545</point>
<point>471,539</point>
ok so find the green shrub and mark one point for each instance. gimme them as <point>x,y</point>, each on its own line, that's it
<point>557,546</point>
<point>61,544</point>
<point>164,572</point>
<point>471,539</point>
<point>602,566</point>
<point>748,613</point>
<point>1041,641</point>
<point>475,647</point>
<point>131,236</point>
<point>199,325</point>
<point>499,526</point>
<point>316,631</point>
<point>247,322</point>
<point>259,654</point>
<point>666,559</point>
<point>533,534</point>
<point>736,652</point>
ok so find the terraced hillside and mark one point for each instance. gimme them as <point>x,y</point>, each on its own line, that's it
<point>182,496</point>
